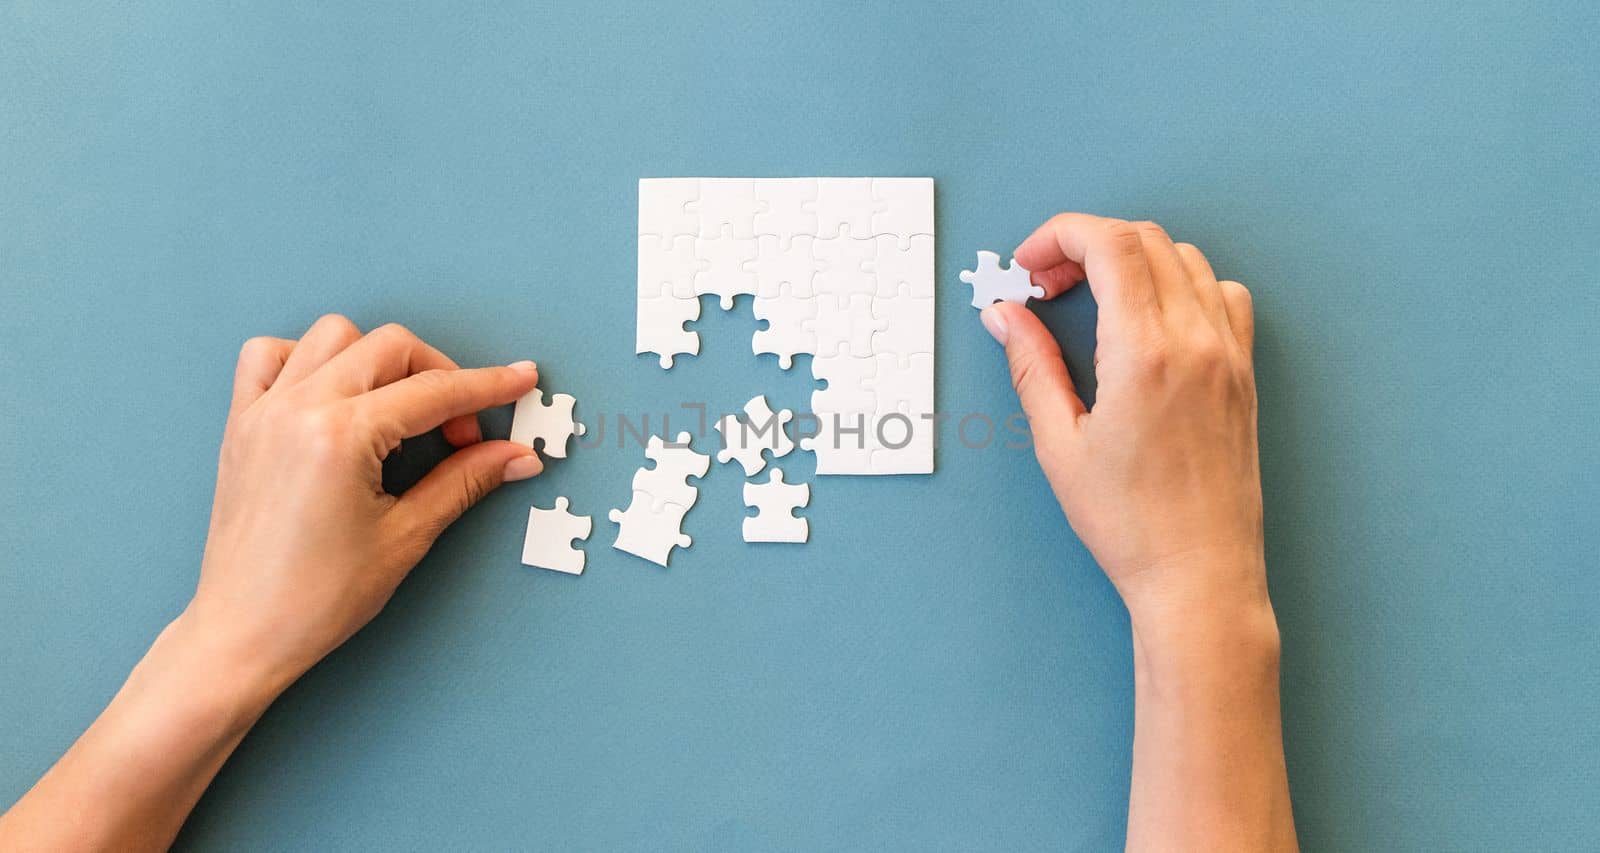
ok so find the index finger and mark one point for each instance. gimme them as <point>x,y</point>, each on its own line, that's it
<point>388,354</point>
<point>1108,252</point>
<point>422,401</point>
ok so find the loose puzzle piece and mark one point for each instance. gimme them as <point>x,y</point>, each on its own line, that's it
<point>645,532</point>
<point>668,482</point>
<point>724,272</point>
<point>844,327</point>
<point>846,377</point>
<point>727,205</point>
<point>776,502</point>
<point>745,436</point>
<point>660,327</point>
<point>904,207</point>
<point>532,421</point>
<point>843,263</point>
<point>907,325</point>
<point>668,265</point>
<point>551,532</point>
<point>786,334</point>
<point>993,283</point>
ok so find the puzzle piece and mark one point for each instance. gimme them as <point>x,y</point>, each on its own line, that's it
<point>904,208</point>
<point>551,532</point>
<point>786,334</point>
<point>907,325</point>
<point>786,208</point>
<point>904,445</point>
<point>847,378</point>
<point>844,327</point>
<point>993,283</point>
<point>668,482</point>
<point>726,205</point>
<point>842,267</point>
<point>668,265</point>
<point>780,262</point>
<point>532,421</point>
<point>660,327</point>
<point>725,274</point>
<point>843,442</point>
<point>844,207</point>
<point>776,502</point>
<point>900,386</point>
<point>745,436</point>
<point>664,207</point>
<point>645,532</point>
<point>896,266</point>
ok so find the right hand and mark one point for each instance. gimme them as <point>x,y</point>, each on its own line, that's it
<point>1161,480</point>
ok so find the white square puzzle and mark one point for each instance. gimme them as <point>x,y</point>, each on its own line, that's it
<point>838,268</point>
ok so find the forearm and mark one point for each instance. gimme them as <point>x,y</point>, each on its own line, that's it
<point>1208,765</point>
<point>132,778</point>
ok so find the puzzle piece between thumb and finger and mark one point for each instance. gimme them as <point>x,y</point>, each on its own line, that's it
<point>993,283</point>
<point>534,420</point>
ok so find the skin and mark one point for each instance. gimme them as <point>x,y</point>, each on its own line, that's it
<point>305,547</point>
<point>1172,437</point>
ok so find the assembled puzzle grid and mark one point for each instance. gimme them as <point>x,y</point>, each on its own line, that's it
<point>841,269</point>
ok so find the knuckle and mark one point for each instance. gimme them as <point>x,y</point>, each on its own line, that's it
<point>393,331</point>
<point>336,322</point>
<point>1237,295</point>
<point>322,431</point>
<point>1123,240</point>
<point>1025,370</point>
<point>1208,350</point>
<point>435,381</point>
<point>1153,359</point>
<point>1151,230</point>
<point>256,348</point>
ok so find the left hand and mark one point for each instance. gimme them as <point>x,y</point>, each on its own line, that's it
<point>305,547</point>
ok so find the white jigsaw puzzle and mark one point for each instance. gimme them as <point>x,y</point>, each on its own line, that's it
<point>776,502</point>
<point>786,335</point>
<point>646,532</point>
<point>551,532</point>
<point>661,327</point>
<point>668,482</point>
<point>532,420</point>
<point>652,525</point>
<point>840,268</point>
<point>759,428</point>
<point>993,283</point>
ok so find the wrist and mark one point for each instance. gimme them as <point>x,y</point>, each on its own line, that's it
<point>1209,618</point>
<point>207,670</point>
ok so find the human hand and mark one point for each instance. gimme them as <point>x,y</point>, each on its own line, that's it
<point>1161,480</point>
<point>305,547</point>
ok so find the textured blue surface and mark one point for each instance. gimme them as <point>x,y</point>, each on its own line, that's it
<point>1411,195</point>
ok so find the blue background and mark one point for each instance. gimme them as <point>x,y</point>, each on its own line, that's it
<point>1410,194</point>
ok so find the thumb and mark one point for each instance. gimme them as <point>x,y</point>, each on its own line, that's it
<point>1037,371</point>
<point>462,479</point>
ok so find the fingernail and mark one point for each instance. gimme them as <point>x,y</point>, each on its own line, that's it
<point>523,467</point>
<point>524,366</point>
<point>995,323</point>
